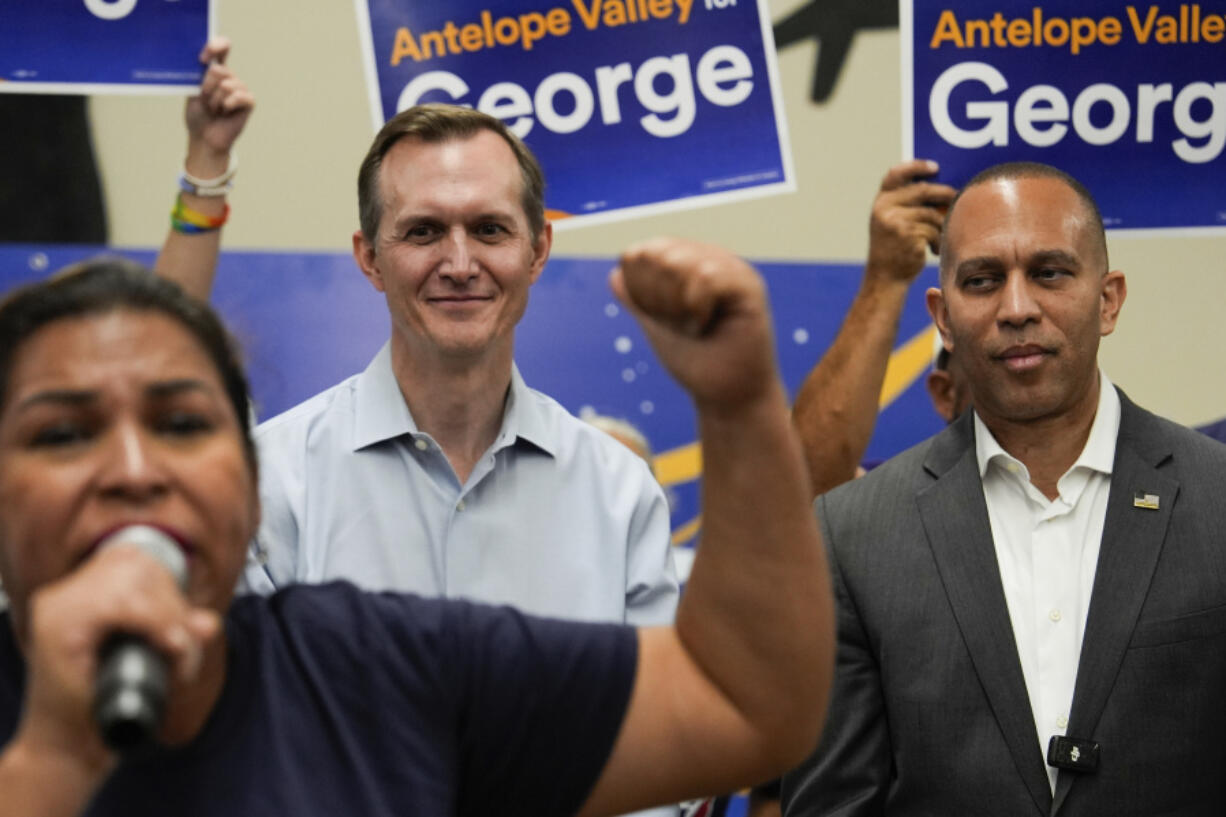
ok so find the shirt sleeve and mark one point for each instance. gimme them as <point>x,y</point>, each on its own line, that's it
<point>652,589</point>
<point>273,555</point>
<point>543,701</point>
<point>481,710</point>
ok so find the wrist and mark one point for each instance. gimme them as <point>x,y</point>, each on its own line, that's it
<point>753,406</point>
<point>200,215</point>
<point>208,176</point>
<point>62,779</point>
<point>882,280</point>
<point>205,163</point>
<point>892,271</point>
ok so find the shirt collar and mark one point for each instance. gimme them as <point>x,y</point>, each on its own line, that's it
<point>1099,451</point>
<point>382,414</point>
<point>524,418</point>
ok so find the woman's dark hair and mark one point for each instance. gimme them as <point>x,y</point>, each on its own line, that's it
<point>105,284</point>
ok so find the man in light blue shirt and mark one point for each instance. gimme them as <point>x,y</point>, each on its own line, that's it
<point>437,470</point>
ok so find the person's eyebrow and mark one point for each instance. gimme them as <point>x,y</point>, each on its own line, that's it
<point>72,397</point>
<point>984,263</point>
<point>1058,257</point>
<point>170,388</point>
<point>84,397</point>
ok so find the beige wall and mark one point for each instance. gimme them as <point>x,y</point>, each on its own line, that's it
<point>299,160</point>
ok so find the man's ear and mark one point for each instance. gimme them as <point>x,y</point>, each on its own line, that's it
<point>540,250</point>
<point>935,300</point>
<point>1115,290</point>
<point>940,385</point>
<point>364,255</point>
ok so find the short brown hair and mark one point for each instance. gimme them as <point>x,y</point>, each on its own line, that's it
<point>434,123</point>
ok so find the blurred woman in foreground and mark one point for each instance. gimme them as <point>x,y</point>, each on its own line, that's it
<point>121,403</point>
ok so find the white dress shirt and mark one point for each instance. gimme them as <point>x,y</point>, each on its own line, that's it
<point>1047,551</point>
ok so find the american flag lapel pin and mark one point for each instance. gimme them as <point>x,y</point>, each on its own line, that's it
<point>1145,500</point>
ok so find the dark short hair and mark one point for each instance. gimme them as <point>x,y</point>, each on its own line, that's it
<point>1035,170</point>
<point>435,123</point>
<point>109,283</point>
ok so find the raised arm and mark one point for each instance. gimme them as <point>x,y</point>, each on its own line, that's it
<point>736,691</point>
<point>836,407</point>
<point>215,117</point>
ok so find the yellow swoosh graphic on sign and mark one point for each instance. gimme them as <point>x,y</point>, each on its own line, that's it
<point>907,364</point>
<point>678,465</point>
<point>688,531</point>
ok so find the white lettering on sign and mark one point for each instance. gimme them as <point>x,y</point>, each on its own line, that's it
<point>110,9</point>
<point>1042,115</point>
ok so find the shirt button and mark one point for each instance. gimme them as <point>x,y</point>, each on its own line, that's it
<point>1062,722</point>
<point>421,444</point>
<point>1054,615</point>
<point>459,506</point>
<point>1011,468</point>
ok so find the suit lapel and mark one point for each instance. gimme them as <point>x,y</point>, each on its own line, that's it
<point>1132,541</point>
<point>955,519</point>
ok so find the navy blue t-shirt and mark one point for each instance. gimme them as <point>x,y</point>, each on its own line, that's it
<point>339,702</point>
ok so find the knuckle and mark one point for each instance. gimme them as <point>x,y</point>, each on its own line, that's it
<point>133,606</point>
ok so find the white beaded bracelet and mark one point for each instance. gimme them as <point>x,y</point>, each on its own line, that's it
<point>210,187</point>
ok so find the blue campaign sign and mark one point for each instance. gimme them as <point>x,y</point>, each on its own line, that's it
<point>102,46</point>
<point>629,104</point>
<point>1128,97</point>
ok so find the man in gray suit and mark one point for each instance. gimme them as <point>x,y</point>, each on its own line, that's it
<point>1032,604</point>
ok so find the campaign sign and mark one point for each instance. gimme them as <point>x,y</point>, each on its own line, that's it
<point>630,105</point>
<point>1129,97</point>
<point>102,46</point>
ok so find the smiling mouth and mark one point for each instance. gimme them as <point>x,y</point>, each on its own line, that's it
<point>460,299</point>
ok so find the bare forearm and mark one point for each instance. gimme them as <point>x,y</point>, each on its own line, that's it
<point>190,259</point>
<point>836,407</point>
<point>215,117</point>
<point>37,784</point>
<point>757,613</point>
<point>736,691</point>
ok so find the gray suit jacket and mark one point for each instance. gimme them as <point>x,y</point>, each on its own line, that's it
<point>930,714</point>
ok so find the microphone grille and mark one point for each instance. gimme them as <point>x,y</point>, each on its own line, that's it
<point>155,543</point>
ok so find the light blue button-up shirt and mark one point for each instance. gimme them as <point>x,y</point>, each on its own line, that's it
<point>557,518</point>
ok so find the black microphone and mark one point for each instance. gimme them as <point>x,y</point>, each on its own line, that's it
<point>131,685</point>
